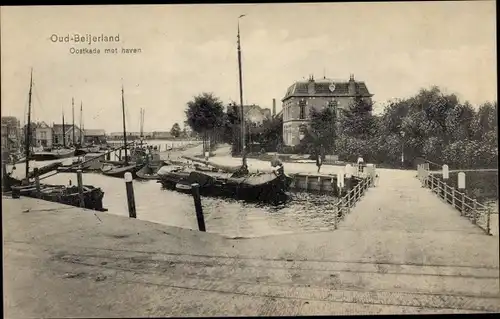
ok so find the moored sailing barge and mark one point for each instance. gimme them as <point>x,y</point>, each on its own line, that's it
<point>259,187</point>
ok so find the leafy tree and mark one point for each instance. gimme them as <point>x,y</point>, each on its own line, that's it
<point>231,132</point>
<point>176,130</point>
<point>357,121</point>
<point>205,114</point>
<point>323,128</point>
<point>485,120</point>
<point>272,134</point>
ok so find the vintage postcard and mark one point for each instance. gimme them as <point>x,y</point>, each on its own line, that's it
<point>275,159</point>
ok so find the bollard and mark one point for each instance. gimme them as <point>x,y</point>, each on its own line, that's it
<point>80,187</point>
<point>16,192</point>
<point>37,182</point>
<point>130,195</point>
<point>319,184</point>
<point>307,182</point>
<point>195,190</point>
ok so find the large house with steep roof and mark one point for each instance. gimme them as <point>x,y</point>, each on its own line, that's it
<point>303,96</point>
<point>43,135</point>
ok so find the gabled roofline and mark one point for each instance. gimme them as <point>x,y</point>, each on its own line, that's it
<point>323,95</point>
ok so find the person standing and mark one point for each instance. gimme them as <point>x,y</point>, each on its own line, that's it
<point>319,157</point>
<point>319,161</point>
<point>360,164</point>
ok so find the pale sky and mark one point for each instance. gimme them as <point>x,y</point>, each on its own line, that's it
<point>395,48</point>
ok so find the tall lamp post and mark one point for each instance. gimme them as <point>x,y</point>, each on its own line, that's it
<point>402,148</point>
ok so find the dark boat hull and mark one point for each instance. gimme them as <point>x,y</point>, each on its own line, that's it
<point>265,187</point>
<point>51,156</point>
<point>119,172</point>
<point>65,195</point>
<point>150,171</point>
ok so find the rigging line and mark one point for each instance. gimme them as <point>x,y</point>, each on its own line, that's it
<point>38,99</point>
<point>98,113</point>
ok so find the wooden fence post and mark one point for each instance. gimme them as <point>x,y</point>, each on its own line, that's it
<point>474,211</point>
<point>37,182</point>
<point>80,187</point>
<point>195,190</point>
<point>453,197</point>
<point>445,186</point>
<point>488,215</point>
<point>462,211</point>
<point>337,211</point>
<point>130,195</point>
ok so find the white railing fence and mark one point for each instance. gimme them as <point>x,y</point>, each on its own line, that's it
<point>349,200</point>
<point>477,213</point>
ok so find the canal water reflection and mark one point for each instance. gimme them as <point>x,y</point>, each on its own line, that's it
<point>232,218</point>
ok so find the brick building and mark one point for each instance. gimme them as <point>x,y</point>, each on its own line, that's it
<point>11,133</point>
<point>303,96</point>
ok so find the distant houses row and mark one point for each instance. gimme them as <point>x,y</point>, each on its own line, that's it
<point>48,136</point>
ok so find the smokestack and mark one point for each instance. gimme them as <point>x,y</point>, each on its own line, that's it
<point>352,85</point>
<point>274,107</point>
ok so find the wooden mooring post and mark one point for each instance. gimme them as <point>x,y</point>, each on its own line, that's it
<point>130,195</point>
<point>195,190</point>
<point>488,225</point>
<point>37,181</point>
<point>79,179</point>
<point>4,175</point>
<point>474,211</point>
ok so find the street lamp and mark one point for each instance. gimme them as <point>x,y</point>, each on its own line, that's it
<point>402,148</point>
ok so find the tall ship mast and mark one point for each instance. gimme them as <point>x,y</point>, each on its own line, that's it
<point>241,92</point>
<point>63,130</point>
<point>81,124</point>
<point>73,110</point>
<point>28,128</point>
<point>124,128</point>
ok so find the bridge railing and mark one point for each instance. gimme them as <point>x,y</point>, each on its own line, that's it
<point>477,213</point>
<point>349,200</point>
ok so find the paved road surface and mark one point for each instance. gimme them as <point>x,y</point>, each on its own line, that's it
<point>408,255</point>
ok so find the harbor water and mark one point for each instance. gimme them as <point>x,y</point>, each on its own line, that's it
<point>228,217</point>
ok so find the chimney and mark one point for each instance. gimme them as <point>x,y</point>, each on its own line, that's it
<point>274,107</point>
<point>311,87</point>
<point>352,85</point>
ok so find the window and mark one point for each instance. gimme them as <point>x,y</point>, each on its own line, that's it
<point>302,105</point>
<point>333,105</point>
